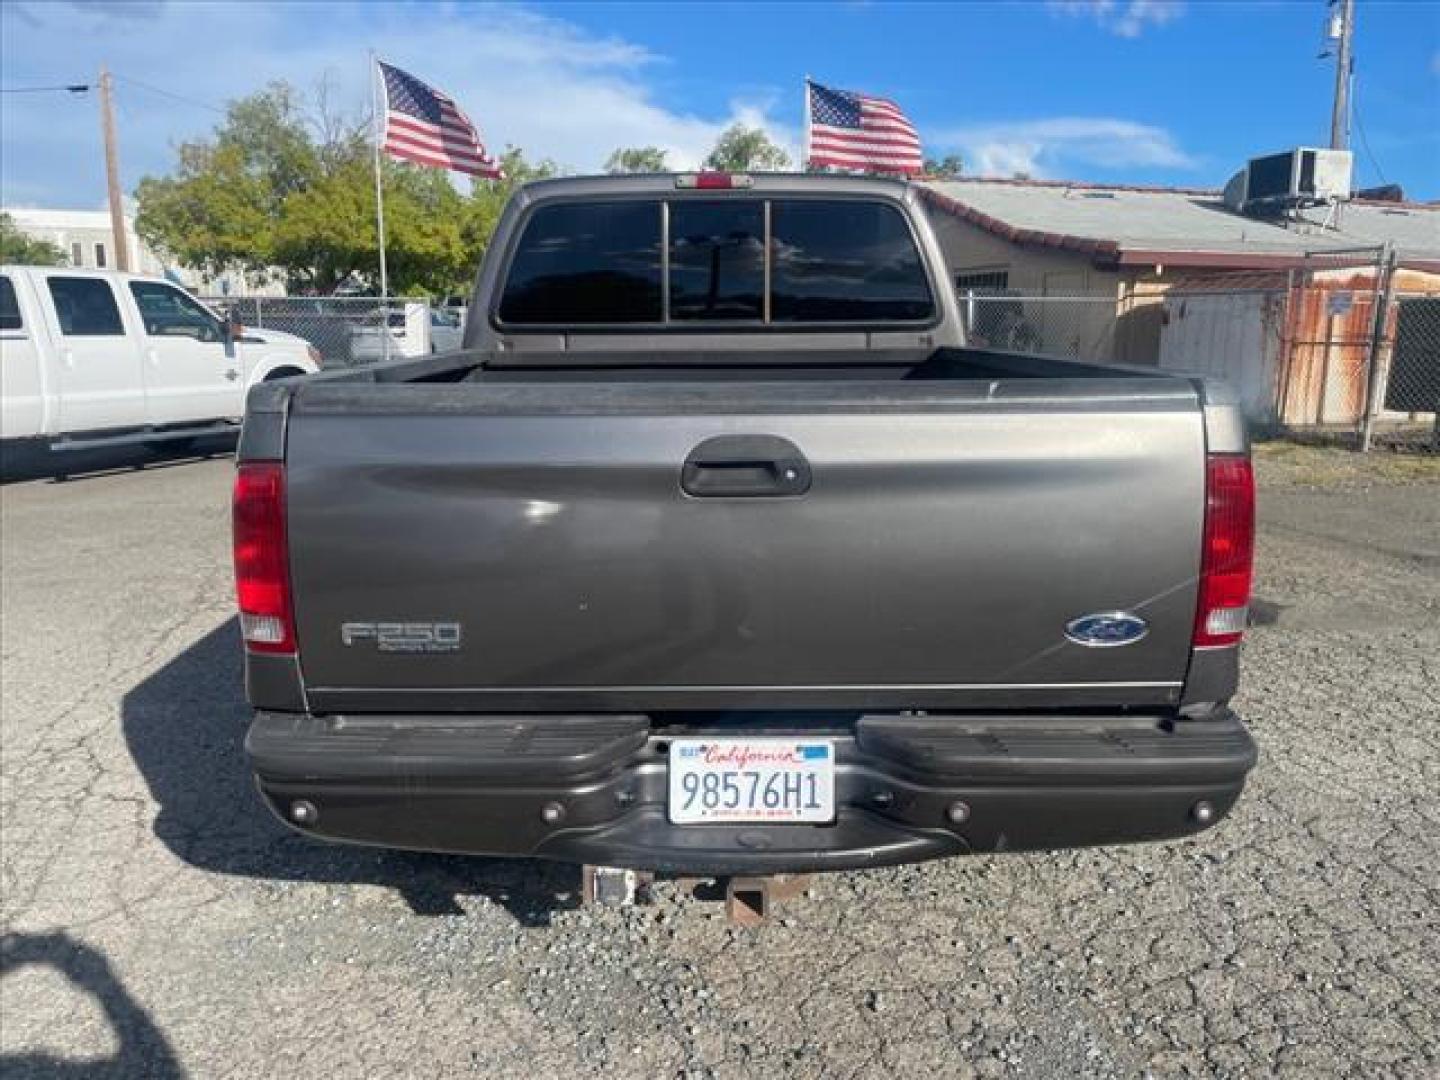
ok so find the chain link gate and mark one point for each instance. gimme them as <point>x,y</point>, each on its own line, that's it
<point>1410,386</point>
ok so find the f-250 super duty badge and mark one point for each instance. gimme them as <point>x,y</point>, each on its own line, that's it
<point>404,637</point>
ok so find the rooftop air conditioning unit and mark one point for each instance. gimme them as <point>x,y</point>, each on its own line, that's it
<point>1306,176</point>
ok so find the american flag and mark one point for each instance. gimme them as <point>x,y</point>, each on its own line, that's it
<point>425,126</point>
<point>856,131</point>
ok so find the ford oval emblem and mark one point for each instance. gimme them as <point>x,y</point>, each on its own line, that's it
<point>1107,629</point>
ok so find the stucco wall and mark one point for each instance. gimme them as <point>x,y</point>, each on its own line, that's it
<point>1038,271</point>
<point>1089,326</point>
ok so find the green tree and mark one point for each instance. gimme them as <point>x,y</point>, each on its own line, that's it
<point>222,206</point>
<point>326,237</point>
<point>637,159</point>
<point>26,250</point>
<point>488,198</point>
<point>213,215</point>
<point>746,149</point>
<point>946,168</point>
<point>278,189</point>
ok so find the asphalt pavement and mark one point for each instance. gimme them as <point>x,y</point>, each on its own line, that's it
<point>159,923</point>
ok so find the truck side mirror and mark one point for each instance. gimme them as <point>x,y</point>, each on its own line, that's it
<point>230,332</point>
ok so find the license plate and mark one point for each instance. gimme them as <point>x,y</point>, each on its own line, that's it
<point>772,780</point>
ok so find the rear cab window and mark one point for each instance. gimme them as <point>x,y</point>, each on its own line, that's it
<point>845,262</point>
<point>681,263</point>
<point>586,263</point>
<point>85,307</point>
<point>10,318</point>
<point>717,260</point>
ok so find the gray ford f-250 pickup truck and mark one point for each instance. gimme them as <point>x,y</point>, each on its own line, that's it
<point>716,550</point>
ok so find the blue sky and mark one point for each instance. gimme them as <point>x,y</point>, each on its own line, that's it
<point>1142,91</point>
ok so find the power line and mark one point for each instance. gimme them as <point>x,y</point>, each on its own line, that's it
<point>169,94</point>
<point>81,88</point>
<point>1365,142</point>
<point>74,88</point>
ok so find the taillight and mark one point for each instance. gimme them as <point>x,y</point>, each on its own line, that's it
<point>1228,555</point>
<point>262,574</point>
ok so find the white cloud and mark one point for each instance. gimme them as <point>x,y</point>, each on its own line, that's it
<point>1125,18</point>
<point>1045,147</point>
<point>539,82</point>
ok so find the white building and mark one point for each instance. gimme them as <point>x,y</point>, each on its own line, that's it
<point>86,239</point>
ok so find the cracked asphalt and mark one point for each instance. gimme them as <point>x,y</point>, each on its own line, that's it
<point>158,923</point>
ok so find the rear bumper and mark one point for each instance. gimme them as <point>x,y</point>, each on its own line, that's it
<point>592,788</point>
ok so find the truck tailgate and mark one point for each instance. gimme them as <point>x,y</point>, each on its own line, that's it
<point>539,547</point>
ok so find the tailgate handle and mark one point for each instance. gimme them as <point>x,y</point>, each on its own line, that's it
<point>745,466</point>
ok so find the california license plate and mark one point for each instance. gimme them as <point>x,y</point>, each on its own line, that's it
<point>773,780</point>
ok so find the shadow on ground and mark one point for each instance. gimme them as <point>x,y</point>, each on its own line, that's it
<point>185,725</point>
<point>36,462</point>
<point>143,1048</point>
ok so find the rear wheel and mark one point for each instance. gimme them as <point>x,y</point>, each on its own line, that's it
<point>282,373</point>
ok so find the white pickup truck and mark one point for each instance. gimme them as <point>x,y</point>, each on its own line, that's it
<point>415,330</point>
<point>91,358</point>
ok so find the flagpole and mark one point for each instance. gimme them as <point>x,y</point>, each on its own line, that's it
<point>805,165</point>
<point>379,137</point>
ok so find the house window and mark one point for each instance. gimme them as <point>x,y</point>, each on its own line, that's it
<point>982,281</point>
<point>100,256</point>
<point>77,254</point>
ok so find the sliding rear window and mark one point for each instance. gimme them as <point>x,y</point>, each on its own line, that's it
<point>732,261</point>
<point>717,260</point>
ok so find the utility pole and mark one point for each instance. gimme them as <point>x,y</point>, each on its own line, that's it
<point>1344,66</point>
<point>112,171</point>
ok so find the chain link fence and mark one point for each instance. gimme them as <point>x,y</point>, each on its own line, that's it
<point>351,330</point>
<point>1345,349</point>
<point>1077,327</point>
<point>1408,383</point>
